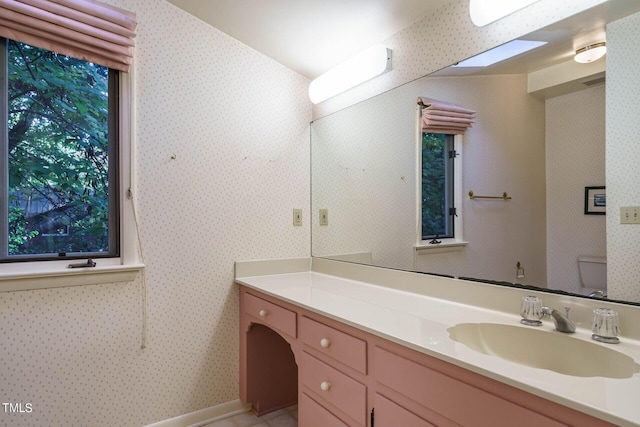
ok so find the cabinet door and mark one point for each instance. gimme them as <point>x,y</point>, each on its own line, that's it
<point>312,414</point>
<point>453,399</point>
<point>389,414</point>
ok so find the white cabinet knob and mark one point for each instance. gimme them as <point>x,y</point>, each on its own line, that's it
<point>262,313</point>
<point>325,342</point>
<point>325,386</point>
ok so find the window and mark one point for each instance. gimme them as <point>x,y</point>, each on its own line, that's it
<point>59,156</point>
<point>441,127</point>
<point>438,210</point>
<point>439,222</point>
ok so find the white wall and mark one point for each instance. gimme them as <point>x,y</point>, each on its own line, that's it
<point>575,140</point>
<point>623,156</point>
<point>238,125</point>
<point>364,172</point>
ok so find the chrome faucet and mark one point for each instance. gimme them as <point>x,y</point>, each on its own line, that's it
<point>562,322</point>
<point>597,294</point>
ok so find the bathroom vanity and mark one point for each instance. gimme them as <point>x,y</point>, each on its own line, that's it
<point>361,346</point>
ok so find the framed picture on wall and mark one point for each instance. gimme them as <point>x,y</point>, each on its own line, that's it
<point>595,200</point>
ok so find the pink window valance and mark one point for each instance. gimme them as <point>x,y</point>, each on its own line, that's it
<point>84,29</point>
<point>442,117</point>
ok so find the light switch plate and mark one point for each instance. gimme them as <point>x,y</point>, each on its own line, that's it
<point>630,215</point>
<point>297,217</point>
<point>324,216</point>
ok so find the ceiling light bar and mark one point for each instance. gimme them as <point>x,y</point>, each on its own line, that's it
<point>363,67</point>
<point>484,12</point>
<point>590,53</point>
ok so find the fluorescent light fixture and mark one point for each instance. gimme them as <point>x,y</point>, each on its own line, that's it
<point>484,12</point>
<point>357,70</point>
<point>590,53</point>
<point>500,53</point>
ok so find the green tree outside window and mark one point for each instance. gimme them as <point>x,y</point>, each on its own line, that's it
<point>437,185</point>
<point>59,154</point>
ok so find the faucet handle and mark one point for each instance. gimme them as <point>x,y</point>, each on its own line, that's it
<point>606,327</point>
<point>566,311</point>
<point>531,311</point>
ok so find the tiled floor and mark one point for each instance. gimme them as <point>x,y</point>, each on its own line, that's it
<point>283,418</point>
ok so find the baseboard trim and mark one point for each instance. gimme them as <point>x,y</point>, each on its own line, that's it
<point>205,416</point>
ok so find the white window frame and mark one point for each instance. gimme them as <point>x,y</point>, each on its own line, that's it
<point>450,244</point>
<point>20,276</point>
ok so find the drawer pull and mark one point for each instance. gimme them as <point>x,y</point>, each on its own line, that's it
<point>325,386</point>
<point>325,342</point>
<point>263,313</point>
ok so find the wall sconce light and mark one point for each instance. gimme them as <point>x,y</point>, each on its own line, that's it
<point>484,12</point>
<point>363,67</point>
<point>590,53</point>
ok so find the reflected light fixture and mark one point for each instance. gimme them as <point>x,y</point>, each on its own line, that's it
<point>590,53</point>
<point>484,12</point>
<point>501,53</point>
<point>363,67</point>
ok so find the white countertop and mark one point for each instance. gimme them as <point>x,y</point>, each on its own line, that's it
<point>420,322</point>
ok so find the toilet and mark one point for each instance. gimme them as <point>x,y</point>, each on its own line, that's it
<point>593,274</point>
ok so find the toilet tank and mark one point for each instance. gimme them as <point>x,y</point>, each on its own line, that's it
<point>593,272</point>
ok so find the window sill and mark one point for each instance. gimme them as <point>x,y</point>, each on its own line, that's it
<point>453,246</point>
<point>63,277</point>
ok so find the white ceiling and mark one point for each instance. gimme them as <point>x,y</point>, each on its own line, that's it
<point>310,36</point>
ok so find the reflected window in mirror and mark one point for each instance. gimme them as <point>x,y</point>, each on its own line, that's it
<point>439,173</point>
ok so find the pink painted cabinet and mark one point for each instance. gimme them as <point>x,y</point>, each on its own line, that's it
<point>346,396</point>
<point>389,413</point>
<point>342,376</point>
<point>315,415</point>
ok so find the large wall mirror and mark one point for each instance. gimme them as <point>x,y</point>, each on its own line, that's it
<point>539,136</point>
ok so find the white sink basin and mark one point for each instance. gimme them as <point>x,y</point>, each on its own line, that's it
<point>545,349</point>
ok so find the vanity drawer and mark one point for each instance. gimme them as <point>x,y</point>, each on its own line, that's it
<point>336,388</point>
<point>459,402</point>
<point>336,344</point>
<point>271,314</point>
<point>311,414</point>
<point>389,414</point>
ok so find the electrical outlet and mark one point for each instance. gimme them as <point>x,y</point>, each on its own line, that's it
<point>324,216</point>
<point>630,215</point>
<point>297,217</point>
